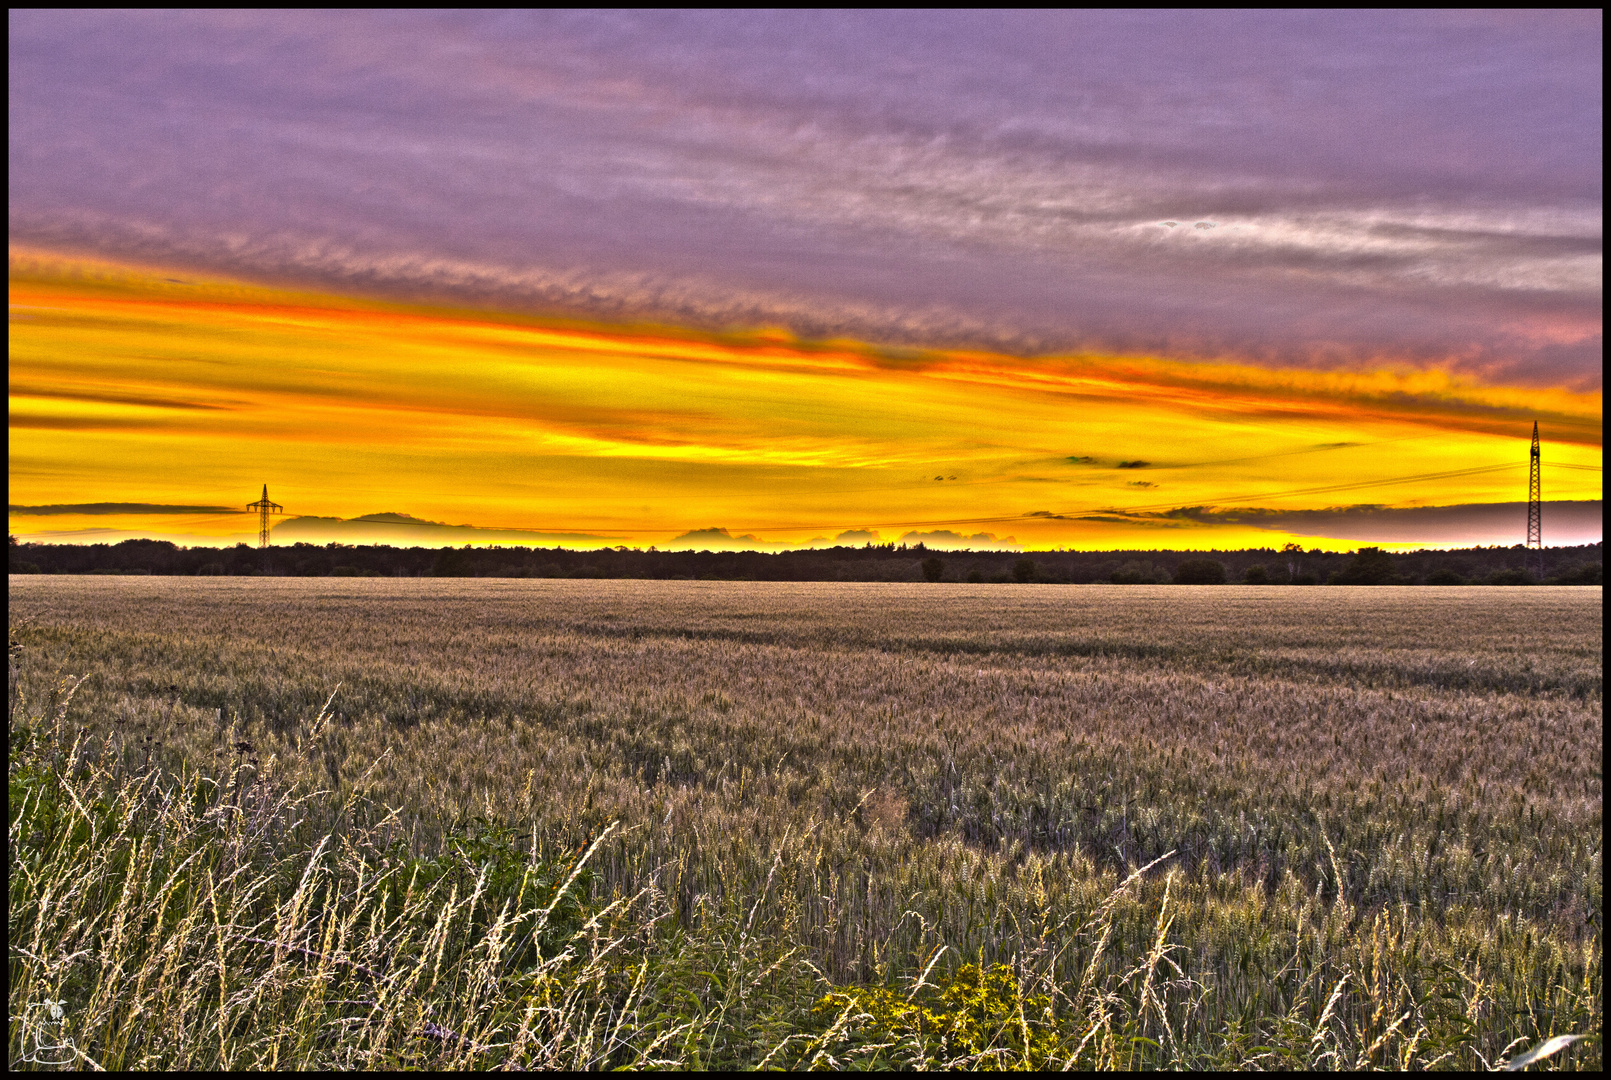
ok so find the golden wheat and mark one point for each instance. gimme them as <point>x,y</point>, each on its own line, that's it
<point>1383,806</point>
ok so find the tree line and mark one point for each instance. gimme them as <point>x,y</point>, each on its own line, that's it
<point>872,562</point>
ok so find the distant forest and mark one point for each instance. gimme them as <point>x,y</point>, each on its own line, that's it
<point>874,562</point>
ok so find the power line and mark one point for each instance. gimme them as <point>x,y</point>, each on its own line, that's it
<point>1293,453</point>
<point>985,520</point>
<point>479,528</point>
<point>1331,487</point>
<point>1224,500</point>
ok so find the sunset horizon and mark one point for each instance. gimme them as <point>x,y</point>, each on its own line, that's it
<point>1325,436</point>
<point>804,539</point>
<point>776,279</point>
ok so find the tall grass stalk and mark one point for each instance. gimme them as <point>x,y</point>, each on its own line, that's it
<point>705,827</point>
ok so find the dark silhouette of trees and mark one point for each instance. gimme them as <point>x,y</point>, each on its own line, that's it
<point>1579,574</point>
<point>452,562</point>
<point>1200,572</point>
<point>882,562</point>
<point>1371,566</point>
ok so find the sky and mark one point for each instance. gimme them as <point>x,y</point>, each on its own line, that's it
<point>731,279</point>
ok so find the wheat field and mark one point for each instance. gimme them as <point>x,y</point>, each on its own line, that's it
<point>475,823</point>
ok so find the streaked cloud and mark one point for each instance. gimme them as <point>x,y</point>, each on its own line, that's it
<point>1348,190</point>
<point>1460,525</point>
<point>793,278</point>
<point>116,508</point>
<point>405,530</point>
<point>518,429</point>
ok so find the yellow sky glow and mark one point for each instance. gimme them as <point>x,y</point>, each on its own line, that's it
<point>129,386</point>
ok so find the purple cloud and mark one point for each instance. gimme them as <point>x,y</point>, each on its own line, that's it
<point>1346,188</point>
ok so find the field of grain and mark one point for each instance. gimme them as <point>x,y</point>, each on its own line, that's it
<point>800,824</point>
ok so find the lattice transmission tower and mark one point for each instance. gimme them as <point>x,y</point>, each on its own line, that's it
<point>1535,508</point>
<point>264,508</point>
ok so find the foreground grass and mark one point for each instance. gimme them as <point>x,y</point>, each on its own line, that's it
<point>569,826</point>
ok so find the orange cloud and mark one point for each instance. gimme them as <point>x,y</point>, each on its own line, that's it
<point>136,385</point>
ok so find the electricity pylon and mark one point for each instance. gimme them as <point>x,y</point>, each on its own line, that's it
<point>1535,508</point>
<point>264,509</point>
